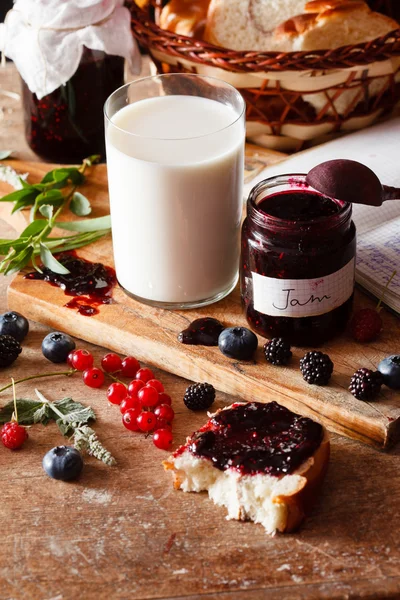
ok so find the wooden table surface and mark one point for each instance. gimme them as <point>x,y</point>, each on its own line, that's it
<point>123,532</point>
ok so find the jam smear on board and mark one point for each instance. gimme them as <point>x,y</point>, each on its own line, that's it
<point>90,284</point>
<point>202,332</point>
<point>256,438</point>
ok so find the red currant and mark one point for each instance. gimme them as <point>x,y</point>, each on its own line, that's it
<point>163,424</point>
<point>130,366</point>
<point>82,360</point>
<point>164,411</point>
<point>116,392</point>
<point>148,396</point>
<point>111,363</point>
<point>13,435</point>
<point>128,403</point>
<point>93,377</point>
<point>134,387</point>
<point>164,399</point>
<point>146,421</point>
<point>156,384</point>
<point>129,419</point>
<point>69,358</point>
<point>162,438</point>
<point>144,375</point>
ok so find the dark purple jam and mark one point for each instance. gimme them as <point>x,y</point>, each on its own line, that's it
<point>67,125</point>
<point>296,235</point>
<point>202,332</point>
<point>91,284</point>
<point>257,438</point>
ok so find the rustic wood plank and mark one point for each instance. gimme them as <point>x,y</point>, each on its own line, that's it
<point>151,334</point>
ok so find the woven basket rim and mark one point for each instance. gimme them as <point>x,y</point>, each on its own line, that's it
<point>251,61</point>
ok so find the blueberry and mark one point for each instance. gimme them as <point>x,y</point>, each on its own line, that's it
<point>238,342</point>
<point>12,323</point>
<point>63,462</point>
<point>56,346</point>
<point>390,369</point>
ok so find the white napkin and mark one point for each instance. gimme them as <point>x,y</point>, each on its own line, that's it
<point>45,38</point>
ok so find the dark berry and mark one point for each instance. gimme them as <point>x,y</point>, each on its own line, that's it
<point>164,411</point>
<point>13,435</point>
<point>366,384</point>
<point>81,360</point>
<point>199,396</point>
<point>14,324</point>
<point>316,368</point>
<point>146,421</point>
<point>130,366</point>
<point>238,342</point>
<point>390,369</point>
<point>277,351</point>
<point>111,363</point>
<point>57,346</point>
<point>10,349</point>
<point>162,439</point>
<point>144,375</point>
<point>93,377</point>
<point>366,325</point>
<point>63,462</point>
<point>116,393</point>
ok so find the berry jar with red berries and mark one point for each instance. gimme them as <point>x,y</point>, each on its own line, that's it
<point>297,262</point>
<point>70,58</point>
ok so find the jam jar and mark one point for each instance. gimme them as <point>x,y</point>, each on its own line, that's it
<point>297,261</point>
<point>67,125</point>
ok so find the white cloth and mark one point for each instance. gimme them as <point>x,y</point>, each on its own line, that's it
<point>45,38</point>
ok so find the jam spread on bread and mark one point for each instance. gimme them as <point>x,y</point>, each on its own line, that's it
<point>256,438</point>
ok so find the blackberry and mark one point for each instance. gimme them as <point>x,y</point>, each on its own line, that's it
<point>277,351</point>
<point>10,349</point>
<point>316,368</point>
<point>199,396</point>
<point>366,384</point>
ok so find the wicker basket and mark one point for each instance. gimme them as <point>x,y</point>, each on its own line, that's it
<point>291,97</point>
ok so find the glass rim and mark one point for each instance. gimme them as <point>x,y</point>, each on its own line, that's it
<point>167,75</point>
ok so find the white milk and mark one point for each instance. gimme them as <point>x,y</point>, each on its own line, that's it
<point>176,197</point>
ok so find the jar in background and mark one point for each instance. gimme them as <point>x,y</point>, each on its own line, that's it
<point>297,262</point>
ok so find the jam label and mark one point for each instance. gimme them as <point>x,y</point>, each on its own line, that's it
<point>303,297</point>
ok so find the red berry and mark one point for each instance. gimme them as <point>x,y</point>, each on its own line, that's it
<point>129,419</point>
<point>156,384</point>
<point>146,421</point>
<point>111,363</point>
<point>69,358</point>
<point>116,392</point>
<point>93,377</point>
<point>130,366</point>
<point>13,435</point>
<point>164,411</point>
<point>366,325</point>
<point>144,375</point>
<point>82,360</point>
<point>134,387</point>
<point>128,403</point>
<point>148,396</point>
<point>163,424</point>
<point>162,438</point>
<point>164,399</point>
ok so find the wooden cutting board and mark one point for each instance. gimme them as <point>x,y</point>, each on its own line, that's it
<point>151,335</point>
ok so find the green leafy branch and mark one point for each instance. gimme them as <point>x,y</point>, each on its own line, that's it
<point>56,191</point>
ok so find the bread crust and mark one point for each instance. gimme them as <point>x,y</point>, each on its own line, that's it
<point>185,17</point>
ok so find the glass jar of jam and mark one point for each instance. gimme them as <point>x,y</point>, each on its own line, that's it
<point>297,262</point>
<point>68,125</point>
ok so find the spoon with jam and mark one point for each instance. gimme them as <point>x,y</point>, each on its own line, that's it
<point>350,181</point>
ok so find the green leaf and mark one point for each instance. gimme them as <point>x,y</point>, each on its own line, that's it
<point>62,175</point>
<point>33,228</point>
<point>92,160</point>
<point>50,262</point>
<point>24,183</point>
<point>80,205</point>
<point>74,411</point>
<point>41,415</point>
<point>26,411</point>
<point>20,261</point>
<point>47,211</point>
<point>18,244</point>
<point>24,194</point>
<point>5,154</point>
<point>87,225</point>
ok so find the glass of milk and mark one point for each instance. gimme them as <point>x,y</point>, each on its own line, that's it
<point>175,161</point>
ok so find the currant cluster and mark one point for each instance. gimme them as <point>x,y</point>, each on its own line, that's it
<point>143,403</point>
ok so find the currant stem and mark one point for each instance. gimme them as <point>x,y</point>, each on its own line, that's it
<point>67,373</point>
<point>113,377</point>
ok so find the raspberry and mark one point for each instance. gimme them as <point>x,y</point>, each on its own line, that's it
<point>10,349</point>
<point>13,435</point>
<point>277,351</point>
<point>199,396</point>
<point>316,368</point>
<point>366,325</point>
<point>366,384</point>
